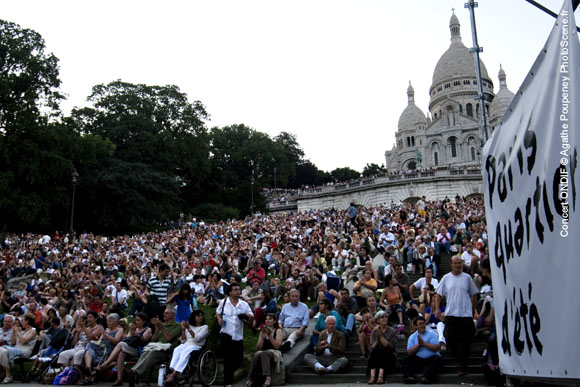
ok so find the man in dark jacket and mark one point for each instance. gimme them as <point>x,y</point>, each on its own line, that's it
<point>329,353</point>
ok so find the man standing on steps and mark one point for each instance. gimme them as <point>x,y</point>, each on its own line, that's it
<point>329,353</point>
<point>231,313</point>
<point>460,291</point>
<point>423,352</point>
<point>293,320</point>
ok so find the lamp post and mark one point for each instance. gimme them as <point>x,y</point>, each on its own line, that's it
<point>252,180</point>
<point>74,181</point>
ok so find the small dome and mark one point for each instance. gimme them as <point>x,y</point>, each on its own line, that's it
<point>412,115</point>
<point>502,99</point>
<point>457,61</point>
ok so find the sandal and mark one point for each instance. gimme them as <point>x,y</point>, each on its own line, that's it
<point>117,383</point>
<point>372,380</point>
<point>380,380</point>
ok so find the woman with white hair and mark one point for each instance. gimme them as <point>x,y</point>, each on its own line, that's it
<point>383,350</point>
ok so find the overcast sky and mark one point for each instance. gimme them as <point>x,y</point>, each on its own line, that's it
<point>335,73</point>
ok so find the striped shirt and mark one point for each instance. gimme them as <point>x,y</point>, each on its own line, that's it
<point>160,289</point>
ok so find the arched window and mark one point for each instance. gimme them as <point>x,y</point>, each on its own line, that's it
<point>435,158</point>
<point>408,141</point>
<point>472,154</point>
<point>450,116</point>
<point>412,140</point>
<point>469,109</point>
<point>453,145</point>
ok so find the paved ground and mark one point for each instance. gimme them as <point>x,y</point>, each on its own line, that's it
<point>242,385</point>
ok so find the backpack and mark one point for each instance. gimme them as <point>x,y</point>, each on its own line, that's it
<point>68,376</point>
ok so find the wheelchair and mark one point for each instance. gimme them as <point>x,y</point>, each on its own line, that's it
<point>201,369</point>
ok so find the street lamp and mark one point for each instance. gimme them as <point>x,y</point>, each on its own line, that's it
<point>252,180</point>
<point>74,181</point>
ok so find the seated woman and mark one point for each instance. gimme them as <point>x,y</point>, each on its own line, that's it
<point>22,342</point>
<point>392,299</point>
<point>269,343</point>
<point>193,336</point>
<point>383,350</point>
<point>364,332</point>
<point>131,345</point>
<point>325,310</point>
<point>214,289</point>
<point>269,305</point>
<point>86,329</point>
<point>96,352</point>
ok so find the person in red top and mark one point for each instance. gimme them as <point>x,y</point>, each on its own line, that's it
<point>257,273</point>
<point>33,310</point>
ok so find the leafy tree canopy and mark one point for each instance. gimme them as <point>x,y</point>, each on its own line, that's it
<point>344,174</point>
<point>373,169</point>
<point>29,79</point>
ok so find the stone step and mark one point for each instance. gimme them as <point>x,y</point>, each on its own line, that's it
<point>446,360</point>
<point>311,378</point>
<point>473,351</point>
<point>361,369</point>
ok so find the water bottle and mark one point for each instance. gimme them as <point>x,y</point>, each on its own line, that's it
<point>161,378</point>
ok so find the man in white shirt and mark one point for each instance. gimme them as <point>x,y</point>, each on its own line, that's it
<point>460,291</point>
<point>119,296</point>
<point>6,331</point>
<point>470,258</point>
<point>231,313</point>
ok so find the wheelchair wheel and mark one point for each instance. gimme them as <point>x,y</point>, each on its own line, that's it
<point>207,368</point>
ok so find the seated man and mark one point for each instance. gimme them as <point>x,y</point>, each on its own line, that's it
<point>329,353</point>
<point>165,337</point>
<point>293,320</point>
<point>423,351</point>
<point>347,308</point>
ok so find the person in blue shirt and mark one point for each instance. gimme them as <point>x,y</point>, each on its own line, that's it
<point>294,320</point>
<point>423,353</point>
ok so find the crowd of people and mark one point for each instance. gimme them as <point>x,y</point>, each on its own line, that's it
<point>271,273</point>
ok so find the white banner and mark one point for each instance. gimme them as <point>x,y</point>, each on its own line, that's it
<point>530,174</point>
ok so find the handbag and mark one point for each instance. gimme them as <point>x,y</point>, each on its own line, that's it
<point>132,341</point>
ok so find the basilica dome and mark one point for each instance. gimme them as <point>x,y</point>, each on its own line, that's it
<point>412,115</point>
<point>502,99</point>
<point>457,61</point>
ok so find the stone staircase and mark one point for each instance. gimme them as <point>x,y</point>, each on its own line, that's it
<point>356,372</point>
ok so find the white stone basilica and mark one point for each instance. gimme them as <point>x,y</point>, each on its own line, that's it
<point>451,135</point>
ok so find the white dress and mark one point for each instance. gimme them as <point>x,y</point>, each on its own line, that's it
<point>181,353</point>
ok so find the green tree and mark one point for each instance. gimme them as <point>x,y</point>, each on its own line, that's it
<point>29,78</point>
<point>308,174</point>
<point>373,169</point>
<point>239,155</point>
<point>155,126</point>
<point>128,197</point>
<point>37,152</point>
<point>343,174</point>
